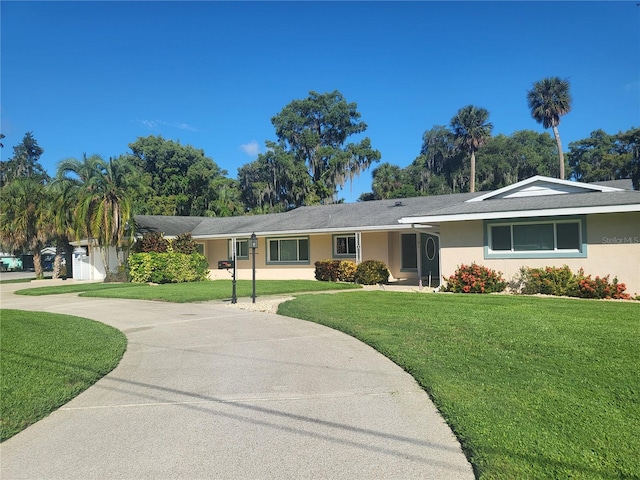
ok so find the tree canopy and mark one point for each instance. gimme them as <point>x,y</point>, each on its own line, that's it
<point>179,179</point>
<point>606,157</point>
<point>24,162</point>
<point>311,158</point>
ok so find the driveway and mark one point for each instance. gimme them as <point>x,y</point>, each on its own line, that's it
<point>208,391</point>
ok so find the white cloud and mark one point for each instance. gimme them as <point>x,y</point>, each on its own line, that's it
<point>155,124</point>
<point>252,148</point>
<point>150,124</point>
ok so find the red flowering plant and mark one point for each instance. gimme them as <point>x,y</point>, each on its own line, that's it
<point>562,281</point>
<point>475,278</point>
<point>600,287</point>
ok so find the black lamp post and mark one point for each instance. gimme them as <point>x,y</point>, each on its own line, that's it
<point>253,243</point>
<point>234,296</point>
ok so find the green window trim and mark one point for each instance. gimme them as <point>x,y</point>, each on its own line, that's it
<point>346,244</point>
<point>288,251</point>
<point>549,237</point>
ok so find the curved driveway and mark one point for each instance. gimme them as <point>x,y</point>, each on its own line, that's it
<point>205,391</point>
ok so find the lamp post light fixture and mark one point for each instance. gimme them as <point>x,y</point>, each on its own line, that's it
<point>253,244</point>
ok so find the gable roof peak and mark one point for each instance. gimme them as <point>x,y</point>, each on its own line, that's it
<point>540,185</point>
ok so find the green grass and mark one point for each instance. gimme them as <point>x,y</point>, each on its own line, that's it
<point>22,280</point>
<point>46,360</point>
<point>188,292</point>
<point>534,388</point>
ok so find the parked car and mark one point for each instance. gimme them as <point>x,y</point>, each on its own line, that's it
<point>10,264</point>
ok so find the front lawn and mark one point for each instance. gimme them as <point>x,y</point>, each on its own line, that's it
<point>46,360</point>
<point>188,292</point>
<point>533,387</point>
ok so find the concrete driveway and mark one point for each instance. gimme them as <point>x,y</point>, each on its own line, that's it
<point>206,391</point>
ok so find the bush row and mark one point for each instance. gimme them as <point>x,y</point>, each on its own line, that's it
<point>158,260</point>
<point>369,272</point>
<point>169,267</point>
<point>562,281</point>
<point>559,281</point>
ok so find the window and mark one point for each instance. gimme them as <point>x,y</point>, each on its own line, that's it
<point>242,249</point>
<point>344,245</point>
<point>200,248</point>
<point>288,250</point>
<point>409,251</point>
<point>522,239</point>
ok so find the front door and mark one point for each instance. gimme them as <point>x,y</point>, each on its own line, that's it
<point>430,248</point>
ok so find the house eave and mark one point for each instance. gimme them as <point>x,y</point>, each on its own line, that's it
<point>431,219</point>
<point>300,232</point>
<point>539,178</point>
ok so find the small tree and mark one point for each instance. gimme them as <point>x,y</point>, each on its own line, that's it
<point>183,243</point>
<point>151,242</point>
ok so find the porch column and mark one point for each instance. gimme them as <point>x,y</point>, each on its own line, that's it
<point>358,247</point>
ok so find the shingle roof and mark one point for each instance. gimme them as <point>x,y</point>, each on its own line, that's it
<point>168,225</point>
<point>546,202</point>
<point>380,214</point>
<point>625,183</point>
<point>336,217</point>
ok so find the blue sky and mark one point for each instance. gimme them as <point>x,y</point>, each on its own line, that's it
<point>94,76</point>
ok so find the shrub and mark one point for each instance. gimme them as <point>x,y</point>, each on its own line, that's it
<point>151,242</point>
<point>549,281</point>
<point>168,267</point>
<point>183,243</point>
<point>347,271</point>
<point>600,287</point>
<point>562,281</point>
<point>335,270</point>
<point>371,272</point>
<point>327,270</point>
<point>475,279</point>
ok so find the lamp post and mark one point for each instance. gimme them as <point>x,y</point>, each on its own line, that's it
<point>234,296</point>
<point>253,243</point>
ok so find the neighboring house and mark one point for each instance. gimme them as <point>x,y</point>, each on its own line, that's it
<point>537,222</point>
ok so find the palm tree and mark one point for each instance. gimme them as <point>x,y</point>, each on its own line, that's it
<point>62,214</point>
<point>24,221</point>
<point>548,100</point>
<point>471,130</point>
<point>101,192</point>
<point>386,180</point>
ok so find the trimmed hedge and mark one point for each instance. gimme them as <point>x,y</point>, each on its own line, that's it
<point>170,267</point>
<point>335,270</point>
<point>372,272</point>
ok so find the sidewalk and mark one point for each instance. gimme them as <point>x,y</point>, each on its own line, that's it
<point>207,391</point>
